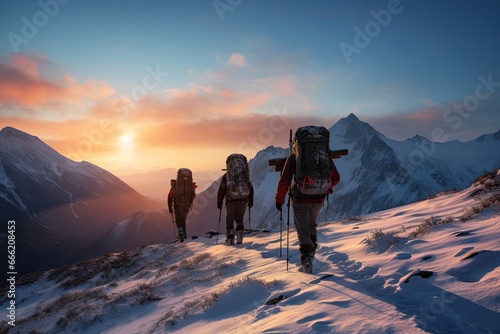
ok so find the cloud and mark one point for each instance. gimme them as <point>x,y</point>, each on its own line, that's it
<point>211,118</point>
<point>24,84</point>
<point>230,109</point>
<point>439,122</point>
<point>237,59</point>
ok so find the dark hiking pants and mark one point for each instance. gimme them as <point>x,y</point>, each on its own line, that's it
<point>305,215</point>
<point>181,212</point>
<point>235,210</point>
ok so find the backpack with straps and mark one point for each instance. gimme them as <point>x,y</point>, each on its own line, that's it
<point>314,167</point>
<point>238,176</point>
<point>184,187</point>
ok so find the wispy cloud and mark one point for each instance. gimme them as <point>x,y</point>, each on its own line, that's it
<point>237,59</point>
<point>25,82</point>
<point>227,109</point>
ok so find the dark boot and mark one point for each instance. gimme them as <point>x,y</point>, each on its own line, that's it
<point>229,237</point>
<point>180,232</point>
<point>239,234</point>
<point>306,258</point>
<point>239,237</point>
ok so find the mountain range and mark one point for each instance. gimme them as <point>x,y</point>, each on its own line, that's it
<point>67,211</point>
<point>378,173</point>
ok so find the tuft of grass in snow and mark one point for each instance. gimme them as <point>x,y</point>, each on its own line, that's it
<point>488,202</point>
<point>78,301</point>
<point>487,185</point>
<point>380,241</point>
<point>108,267</point>
<point>190,263</point>
<point>428,224</point>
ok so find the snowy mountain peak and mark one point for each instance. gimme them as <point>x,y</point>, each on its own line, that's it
<point>28,152</point>
<point>493,136</point>
<point>353,130</point>
<point>10,135</point>
<point>418,139</point>
<point>352,118</point>
<point>10,131</point>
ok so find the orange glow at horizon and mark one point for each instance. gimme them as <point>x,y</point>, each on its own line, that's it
<point>195,127</point>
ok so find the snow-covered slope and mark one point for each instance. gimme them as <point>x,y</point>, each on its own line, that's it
<point>431,266</point>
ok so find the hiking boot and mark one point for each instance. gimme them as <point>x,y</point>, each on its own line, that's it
<point>306,258</point>
<point>306,266</point>
<point>239,237</point>
<point>229,236</point>
<point>181,234</point>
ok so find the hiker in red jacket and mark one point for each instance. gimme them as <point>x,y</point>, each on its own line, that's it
<point>306,209</point>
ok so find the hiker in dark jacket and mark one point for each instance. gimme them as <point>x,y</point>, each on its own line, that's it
<point>306,209</point>
<point>235,210</point>
<point>181,203</point>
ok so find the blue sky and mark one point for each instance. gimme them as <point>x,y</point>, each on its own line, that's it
<point>224,68</point>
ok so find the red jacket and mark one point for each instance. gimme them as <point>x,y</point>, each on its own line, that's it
<point>286,180</point>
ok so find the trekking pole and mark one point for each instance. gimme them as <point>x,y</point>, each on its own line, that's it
<point>173,223</point>
<point>288,209</point>
<point>249,220</point>
<point>281,231</point>
<point>287,232</point>
<point>218,227</point>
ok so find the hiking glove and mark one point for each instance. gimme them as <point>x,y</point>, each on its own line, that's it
<point>219,205</point>
<point>170,210</point>
<point>279,206</point>
<point>250,204</point>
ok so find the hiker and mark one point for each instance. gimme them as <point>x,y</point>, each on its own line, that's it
<point>181,195</point>
<point>307,203</point>
<point>236,187</point>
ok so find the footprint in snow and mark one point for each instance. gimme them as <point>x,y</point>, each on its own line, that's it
<point>353,269</point>
<point>418,272</point>
<point>474,265</point>
<point>402,256</point>
<point>463,251</point>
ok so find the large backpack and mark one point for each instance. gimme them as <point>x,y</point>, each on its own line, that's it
<point>238,176</point>
<point>311,145</point>
<point>184,187</point>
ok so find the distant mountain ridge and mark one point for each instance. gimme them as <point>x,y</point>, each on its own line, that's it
<point>60,206</point>
<point>156,184</point>
<point>379,173</point>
